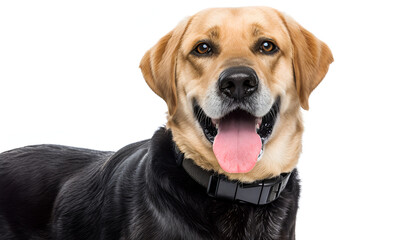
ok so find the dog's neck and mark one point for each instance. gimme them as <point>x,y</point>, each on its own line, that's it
<point>219,186</point>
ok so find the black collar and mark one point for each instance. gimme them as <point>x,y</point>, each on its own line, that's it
<point>219,186</point>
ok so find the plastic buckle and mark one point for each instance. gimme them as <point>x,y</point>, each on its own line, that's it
<point>258,193</point>
<point>250,192</point>
<point>219,187</point>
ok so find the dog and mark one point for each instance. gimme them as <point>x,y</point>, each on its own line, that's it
<point>224,166</point>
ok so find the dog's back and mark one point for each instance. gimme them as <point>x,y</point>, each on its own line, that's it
<point>30,179</point>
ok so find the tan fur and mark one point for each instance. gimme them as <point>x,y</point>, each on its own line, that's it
<point>178,77</point>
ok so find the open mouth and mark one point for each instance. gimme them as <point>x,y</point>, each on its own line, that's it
<point>264,125</point>
<point>238,137</point>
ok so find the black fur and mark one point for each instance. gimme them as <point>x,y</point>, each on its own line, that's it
<point>139,192</point>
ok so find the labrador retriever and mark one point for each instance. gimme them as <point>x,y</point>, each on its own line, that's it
<point>224,167</point>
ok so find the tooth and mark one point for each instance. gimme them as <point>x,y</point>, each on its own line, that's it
<point>258,122</point>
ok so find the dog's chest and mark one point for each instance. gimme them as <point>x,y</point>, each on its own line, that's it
<point>247,222</point>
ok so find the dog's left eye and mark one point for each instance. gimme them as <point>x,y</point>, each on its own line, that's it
<point>267,47</point>
<point>202,48</point>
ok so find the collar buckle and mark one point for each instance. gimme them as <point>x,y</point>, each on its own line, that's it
<point>257,193</point>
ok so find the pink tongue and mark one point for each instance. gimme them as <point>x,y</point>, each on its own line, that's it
<point>237,145</point>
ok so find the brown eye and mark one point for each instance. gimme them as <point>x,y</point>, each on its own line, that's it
<point>267,47</point>
<point>202,49</point>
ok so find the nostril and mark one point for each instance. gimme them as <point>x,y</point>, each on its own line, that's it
<point>249,83</point>
<point>228,88</point>
<point>227,85</point>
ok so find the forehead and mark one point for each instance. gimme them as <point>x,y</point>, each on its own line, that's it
<point>237,23</point>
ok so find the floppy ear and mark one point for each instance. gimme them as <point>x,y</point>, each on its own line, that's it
<point>311,60</point>
<point>158,65</point>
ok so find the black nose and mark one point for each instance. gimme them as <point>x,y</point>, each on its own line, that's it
<point>238,82</point>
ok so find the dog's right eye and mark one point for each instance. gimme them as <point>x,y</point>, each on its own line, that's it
<point>202,48</point>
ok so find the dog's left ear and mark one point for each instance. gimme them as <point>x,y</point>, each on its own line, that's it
<point>311,59</point>
<point>158,65</point>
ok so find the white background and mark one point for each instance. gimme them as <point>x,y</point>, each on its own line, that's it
<point>69,75</point>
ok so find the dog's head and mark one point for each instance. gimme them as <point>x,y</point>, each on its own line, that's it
<point>234,81</point>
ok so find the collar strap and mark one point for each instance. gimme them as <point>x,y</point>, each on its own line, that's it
<point>219,186</point>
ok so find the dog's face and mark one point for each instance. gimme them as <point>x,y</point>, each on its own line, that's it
<point>234,81</point>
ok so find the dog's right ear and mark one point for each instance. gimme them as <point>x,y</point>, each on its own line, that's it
<point>159,63</point>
